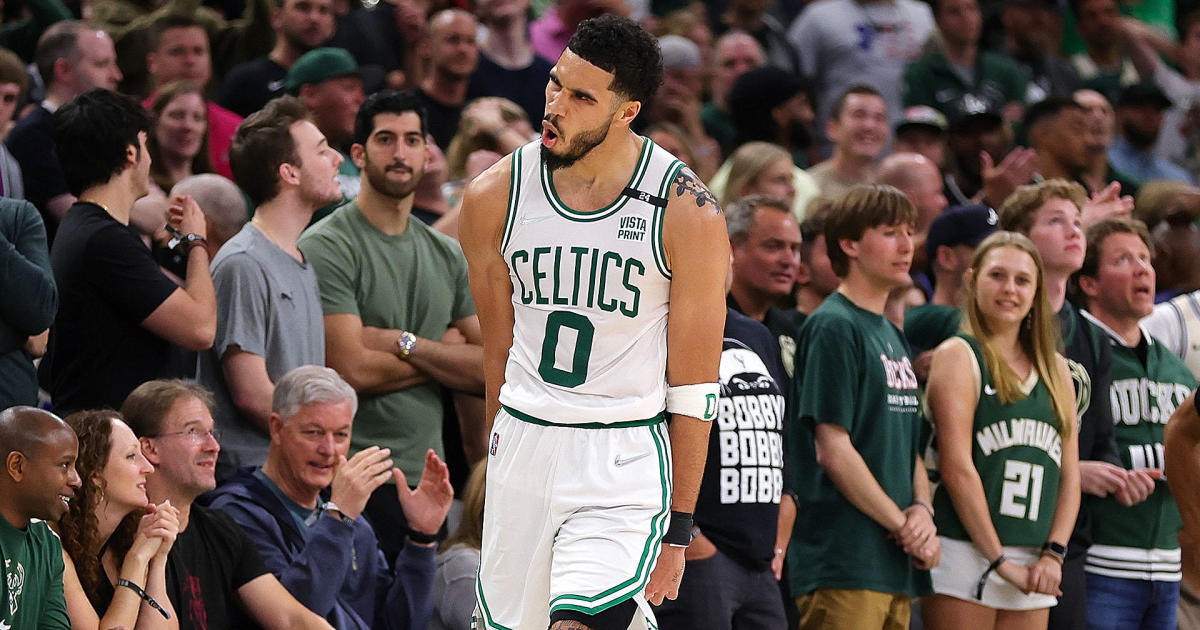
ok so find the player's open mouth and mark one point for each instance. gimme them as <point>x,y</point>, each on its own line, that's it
<point>549,135</point>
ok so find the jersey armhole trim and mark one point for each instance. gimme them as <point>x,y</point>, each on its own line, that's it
<point>656,232</point>
<point>514,187</point>
<point>976,372</point>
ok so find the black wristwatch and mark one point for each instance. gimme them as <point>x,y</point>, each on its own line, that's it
<point>1055,549</point>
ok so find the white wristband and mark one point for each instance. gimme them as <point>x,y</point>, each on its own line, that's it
<point>697,401</point>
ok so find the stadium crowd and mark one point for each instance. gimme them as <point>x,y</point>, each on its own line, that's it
<point>241,373</point>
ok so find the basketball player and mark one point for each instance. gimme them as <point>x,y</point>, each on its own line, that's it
<point>578,246</point>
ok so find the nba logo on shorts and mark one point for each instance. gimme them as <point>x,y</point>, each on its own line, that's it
<point>495,443</point>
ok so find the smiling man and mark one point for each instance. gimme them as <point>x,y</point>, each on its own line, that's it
<point>1133,565</point>
<point>39,479</point>
<point>303,535</point>
<point>268,309</point>
<point>858,127</point>
<point>215,577</point>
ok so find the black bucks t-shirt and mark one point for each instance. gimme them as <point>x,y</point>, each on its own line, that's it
<point>739,497</point>
<point>210,560</point>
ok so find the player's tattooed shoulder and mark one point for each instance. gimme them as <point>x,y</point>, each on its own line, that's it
<point>686,182</point>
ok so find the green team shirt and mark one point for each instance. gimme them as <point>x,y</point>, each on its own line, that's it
<point>1017,450</point>
<point>853,370</point>
<point>928,325</point>
<point>33,588</point>
<point>1140,542</point>
<point>415,281</point>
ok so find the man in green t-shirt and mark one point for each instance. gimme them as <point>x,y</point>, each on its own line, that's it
<point>39,479</point>
<point>400,323</point>
<point>864,537</point>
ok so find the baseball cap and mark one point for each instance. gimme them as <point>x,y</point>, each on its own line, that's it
<point>1143,94</point>
<point>922,116</point>
<point>974,106</point>
<point>321,64</point>
<point>960,225</point>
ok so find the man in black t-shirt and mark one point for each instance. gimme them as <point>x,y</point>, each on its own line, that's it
<point>215,576</point>
<point>453,55</point>
<point>120,320</point>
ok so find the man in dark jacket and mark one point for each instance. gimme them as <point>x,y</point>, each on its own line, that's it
<point>302,531</point>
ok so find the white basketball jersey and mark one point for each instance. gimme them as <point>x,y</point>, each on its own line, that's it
<point>590,293</point>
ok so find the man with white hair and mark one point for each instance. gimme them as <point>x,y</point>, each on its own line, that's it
<point>303,532</point>
<point>222,203</point>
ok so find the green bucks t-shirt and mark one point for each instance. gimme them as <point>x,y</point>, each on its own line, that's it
<point>1017,449</point>
<point>1140,542</point>
<point>853,370</point>
<point>32,591</point>
<point>415,281</point>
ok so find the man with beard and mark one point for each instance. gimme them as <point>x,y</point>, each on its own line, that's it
<point>1140,110</point>
<point>400,323</point>
<point>268,309</point>
<point>300,26</point>
<point>579,245</point>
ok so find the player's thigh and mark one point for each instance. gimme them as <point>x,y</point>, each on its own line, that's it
<point>518,526</point>
<point>616,503</point>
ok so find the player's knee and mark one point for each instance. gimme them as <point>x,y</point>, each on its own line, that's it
<point>616,618</point>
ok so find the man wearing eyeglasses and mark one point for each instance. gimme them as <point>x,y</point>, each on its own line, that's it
<point>304,532</point>
<point>215,576</point>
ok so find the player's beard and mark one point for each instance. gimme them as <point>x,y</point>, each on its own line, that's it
<point>580,146</point>
<point>378,179</point>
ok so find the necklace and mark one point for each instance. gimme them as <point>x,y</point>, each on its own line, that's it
<point>96,203</point>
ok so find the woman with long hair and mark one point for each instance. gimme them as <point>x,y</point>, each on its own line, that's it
<point>759,168</point>
<point>1003,409</point>
<point>115,543</point>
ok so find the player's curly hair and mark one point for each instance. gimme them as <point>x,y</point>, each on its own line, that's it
<point>79,527</point>
<point>621,46</point>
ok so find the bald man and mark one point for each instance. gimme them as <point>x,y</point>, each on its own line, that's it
<point>453,55</point>
<point>921,181</point>
<point>222,203</point>
<point>39,480</point>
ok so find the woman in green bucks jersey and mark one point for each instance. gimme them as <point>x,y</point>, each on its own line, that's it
<point>1003,408</point>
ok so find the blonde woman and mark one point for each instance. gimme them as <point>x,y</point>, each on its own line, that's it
<point>1003,408</point>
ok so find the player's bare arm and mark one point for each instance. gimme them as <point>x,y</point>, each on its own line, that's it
<point>1182,443</point>
<point>697,250</point>
<point>481,228</point>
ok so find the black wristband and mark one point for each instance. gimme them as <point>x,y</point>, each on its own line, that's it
<point>1196,399</point>
<point>679,531</point>
<point>983,578</point>
<point>145,596</point>
<point>420,538</point>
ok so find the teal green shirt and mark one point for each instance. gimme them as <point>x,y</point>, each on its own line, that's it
<point>853,370</point>
<point>31,595</point>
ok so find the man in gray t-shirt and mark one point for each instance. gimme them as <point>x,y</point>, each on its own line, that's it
<point>269,316</point>
<point>842,43</point>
